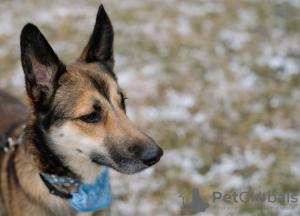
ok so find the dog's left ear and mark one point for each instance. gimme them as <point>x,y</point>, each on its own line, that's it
<point>100,45</point>
<point>41,66</point>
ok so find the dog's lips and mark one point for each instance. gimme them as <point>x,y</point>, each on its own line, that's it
<point>100,160</point>
<point>125,166</point>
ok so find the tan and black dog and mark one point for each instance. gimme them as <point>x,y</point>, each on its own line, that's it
<point>77,124</point>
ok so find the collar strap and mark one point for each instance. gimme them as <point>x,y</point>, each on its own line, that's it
<point>61,180</point>
<point>54,191</point>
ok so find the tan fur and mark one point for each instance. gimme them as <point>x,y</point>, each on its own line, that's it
<point>24,193</point>
<point>59,138</point>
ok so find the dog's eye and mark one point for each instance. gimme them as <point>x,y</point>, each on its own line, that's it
<point>90,118</point>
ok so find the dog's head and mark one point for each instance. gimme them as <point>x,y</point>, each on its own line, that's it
<point>81,108</point>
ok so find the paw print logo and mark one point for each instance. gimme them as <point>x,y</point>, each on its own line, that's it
<point>261,197</point>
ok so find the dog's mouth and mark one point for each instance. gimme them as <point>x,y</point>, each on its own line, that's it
<point>101,160</point>
<point>124,165</point>
<point>130,160</point>
<point>131,164</point>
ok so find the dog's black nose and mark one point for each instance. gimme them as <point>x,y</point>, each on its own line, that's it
<point>151,156</point>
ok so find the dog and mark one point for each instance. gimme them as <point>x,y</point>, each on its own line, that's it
<point>77,125</point>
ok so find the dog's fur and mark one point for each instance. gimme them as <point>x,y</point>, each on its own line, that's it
<point>77,124</point>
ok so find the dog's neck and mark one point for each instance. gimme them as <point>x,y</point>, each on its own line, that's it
<point>27,176</point>
<point>37,148</point>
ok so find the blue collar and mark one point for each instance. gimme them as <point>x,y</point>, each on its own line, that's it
<point>90,197</point>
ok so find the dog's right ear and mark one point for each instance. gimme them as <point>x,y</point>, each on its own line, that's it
<point>41,65</point>
<point>100,45</point>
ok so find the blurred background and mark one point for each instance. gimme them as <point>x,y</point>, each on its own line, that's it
<point>215,83</point>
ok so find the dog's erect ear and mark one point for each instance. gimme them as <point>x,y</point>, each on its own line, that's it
<point>100,45</point>
<point>41,65</point>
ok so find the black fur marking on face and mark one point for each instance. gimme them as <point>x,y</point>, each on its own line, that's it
<point>97,105</point>
<point>54,117</point>
<point>101,86</point>
<point>109,72</point>
<point>134,149</point>
<point>118,157</point>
